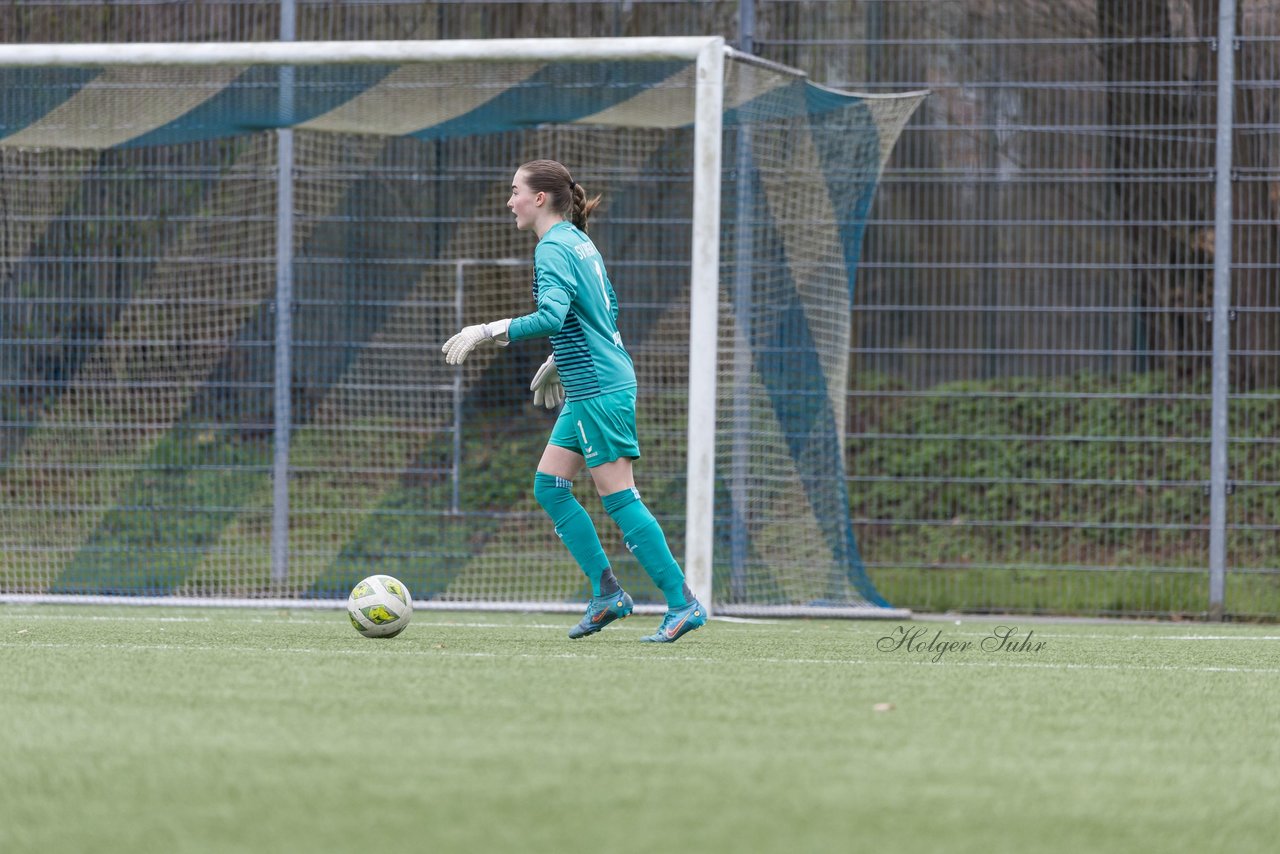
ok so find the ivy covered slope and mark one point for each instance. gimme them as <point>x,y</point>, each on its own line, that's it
<point>1082,494</point>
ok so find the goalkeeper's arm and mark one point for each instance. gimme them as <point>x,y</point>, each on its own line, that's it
<point>553,307</point>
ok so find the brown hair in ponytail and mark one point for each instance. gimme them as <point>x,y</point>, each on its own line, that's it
<point>565,195</point>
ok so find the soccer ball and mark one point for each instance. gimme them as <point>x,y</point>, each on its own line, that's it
<point>380,607</point>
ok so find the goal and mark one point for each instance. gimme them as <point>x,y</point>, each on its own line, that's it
<point>226,271</point>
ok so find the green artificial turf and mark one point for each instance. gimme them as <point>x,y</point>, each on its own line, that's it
<point>210,730</point>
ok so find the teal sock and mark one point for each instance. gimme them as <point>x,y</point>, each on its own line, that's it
<point>643,536</point>
<point>573,526</point>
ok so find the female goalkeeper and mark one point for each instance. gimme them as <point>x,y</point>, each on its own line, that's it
<point>592,373</point>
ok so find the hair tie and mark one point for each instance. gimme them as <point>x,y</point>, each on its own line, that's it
<point>572,183</point>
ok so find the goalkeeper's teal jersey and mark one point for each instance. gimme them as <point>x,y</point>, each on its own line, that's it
<point>578,310</point>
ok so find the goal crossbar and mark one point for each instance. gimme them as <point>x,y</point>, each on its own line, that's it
<point>356,52</point>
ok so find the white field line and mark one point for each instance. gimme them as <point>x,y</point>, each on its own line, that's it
<point>407,651</point>
<point>293,619</point>
<point>286,620</point>
<point>877,630</point>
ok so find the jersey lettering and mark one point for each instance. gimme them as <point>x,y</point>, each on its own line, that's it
<point>604,289</point>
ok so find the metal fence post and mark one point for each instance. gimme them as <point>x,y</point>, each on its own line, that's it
<point>1221,311</point>
<point>455,476</point>
<point>283,371</point>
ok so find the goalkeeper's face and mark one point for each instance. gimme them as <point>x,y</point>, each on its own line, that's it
<point>525,203</point>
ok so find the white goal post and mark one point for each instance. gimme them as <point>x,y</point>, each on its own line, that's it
<point>706,298</point>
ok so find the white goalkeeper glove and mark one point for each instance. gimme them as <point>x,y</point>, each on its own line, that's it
<point>547,389</point>
<point>457,348</point>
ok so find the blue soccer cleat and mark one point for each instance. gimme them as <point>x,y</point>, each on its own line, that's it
<point>601,611</point>
<point>676,624</point>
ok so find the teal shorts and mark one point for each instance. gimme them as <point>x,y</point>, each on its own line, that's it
<point>601,428</point>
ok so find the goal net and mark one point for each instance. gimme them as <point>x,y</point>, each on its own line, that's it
<point>226,272</point>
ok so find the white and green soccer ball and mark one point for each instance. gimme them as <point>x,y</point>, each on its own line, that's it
<point>380,606</point>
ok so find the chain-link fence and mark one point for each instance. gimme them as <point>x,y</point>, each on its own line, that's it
<point>1031,415</point>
